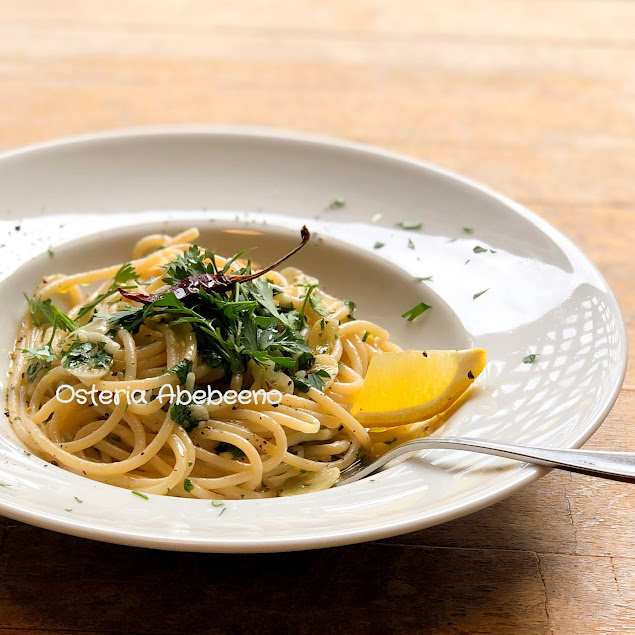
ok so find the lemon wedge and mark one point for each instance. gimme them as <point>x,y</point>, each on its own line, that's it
<point>415,385</point>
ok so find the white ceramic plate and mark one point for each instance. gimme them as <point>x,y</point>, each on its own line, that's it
<point>254,187</point>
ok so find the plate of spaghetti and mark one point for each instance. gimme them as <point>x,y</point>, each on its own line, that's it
<point>200,336</point>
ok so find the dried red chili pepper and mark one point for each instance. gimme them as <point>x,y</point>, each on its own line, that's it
<point>218,282</point>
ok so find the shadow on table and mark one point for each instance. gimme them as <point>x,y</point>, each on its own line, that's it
<point>57,583</point>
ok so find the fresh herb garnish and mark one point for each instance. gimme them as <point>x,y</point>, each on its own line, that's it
<point>188,486</point>
<point>218,503</point>
<point>42,358</point>
<point>45,312</point>
<point>338,203</point>
<point>468,230</point>
<point>181,370</point>
<point>219,282</point>
<point>79,500</point>
<point>312,380</point>
<point>366,334</point>
<point>139,494</point>
<point>479,250</point>
<point>390,441</point>
<point>307,297</point>
<point>223,447</point>
<point>90,354</point>
<point>411,245</point>
<point>193,262</point>
<point>51,252</point>
<point>182,415</point>
<point>529,359</point>
<point>416,311</point>
<point>426,279</point>
<point>378,245</point>
<point>317,305</point>
<point>351,308</point>
<point>125,274</point>
<point>410,224</point>
<point>234,324</point>
<point>479,294</point>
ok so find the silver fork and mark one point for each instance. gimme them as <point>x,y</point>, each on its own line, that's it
<point>617,466</point>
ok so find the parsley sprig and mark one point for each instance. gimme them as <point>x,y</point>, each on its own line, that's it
<point>416,311</point>
<point>87,354</point>
<point>125,274</point>
<point>42,358</point>
<point>45,312</point>
<point>232,327</point>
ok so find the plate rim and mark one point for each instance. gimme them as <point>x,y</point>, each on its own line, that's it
<point>332,538</point>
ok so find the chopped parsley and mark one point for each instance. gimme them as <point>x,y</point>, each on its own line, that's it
<point>468,230</point>
<point>411,245</point>
<point>79,500</point>
<point>351,308</point>
<point>125,274</point>
<point>529,359</point>
<point>181,370</point>
<point>232,327</point>
<point>182,415</point>
<point>315,301</point>
<point>390,441</point>
<point>479,294</point>
<point>479,250</point>
<point>87,354</point>
<point>366,335</point>
<point>410,224</point>
<point>45,312</point>
<point>416,311</point>
<point>338,203</point>
<point>378,245</point>
<point>426,279</point>
<point>312,380</point>
<point>218,503</point>
<point>139,494</point>
<point>192,262</point>
<point>188,486</point>
<point>42,358</point>
<point>51,252</point>
<point>223,447</point>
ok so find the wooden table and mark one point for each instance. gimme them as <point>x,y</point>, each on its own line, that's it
<point>535,98</point>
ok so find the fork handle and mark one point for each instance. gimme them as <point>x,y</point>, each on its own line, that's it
<point>612,465</point>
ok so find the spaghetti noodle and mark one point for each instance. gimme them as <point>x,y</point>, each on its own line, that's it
<point>279,331</point>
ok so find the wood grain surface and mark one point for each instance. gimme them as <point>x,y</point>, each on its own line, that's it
<point>534,98</point>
